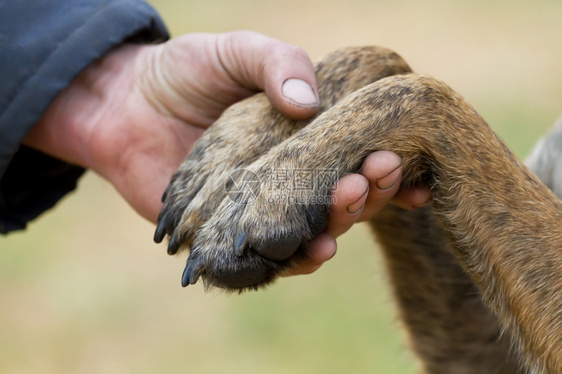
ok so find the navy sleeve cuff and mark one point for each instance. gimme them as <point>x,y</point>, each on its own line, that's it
<point>36,183</point>
<point>44,46</point>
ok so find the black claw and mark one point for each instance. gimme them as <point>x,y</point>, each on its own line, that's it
<point>186,277</point>
<point>160,232</point>
<point>240,245</point>
<point>173,245</point>
<point>278,249</point>
<point>192,272</point>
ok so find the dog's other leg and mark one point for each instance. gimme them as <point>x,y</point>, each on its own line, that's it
<point>449,327</point>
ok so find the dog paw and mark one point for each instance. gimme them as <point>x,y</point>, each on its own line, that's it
<point>222,256</point>
<point>260,229</point>
<point>242,239</point>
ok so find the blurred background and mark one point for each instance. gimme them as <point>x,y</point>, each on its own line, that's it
<point>84,289</point>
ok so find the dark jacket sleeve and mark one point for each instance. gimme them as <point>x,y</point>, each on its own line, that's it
<point>44,44</point>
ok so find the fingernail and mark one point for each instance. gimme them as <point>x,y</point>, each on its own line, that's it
<point>332,255</point>
<point>299,92</point>
<point>358,205</point>
<point>390,180</point>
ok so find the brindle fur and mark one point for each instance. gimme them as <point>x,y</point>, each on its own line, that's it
<point>477,276</point>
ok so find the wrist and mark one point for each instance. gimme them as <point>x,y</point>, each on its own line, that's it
<point>67,130</point>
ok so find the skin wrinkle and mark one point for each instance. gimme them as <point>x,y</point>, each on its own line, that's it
<point>156,75</point>
<point>230,50</point>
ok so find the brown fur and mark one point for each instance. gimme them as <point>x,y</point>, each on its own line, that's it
<point>477,276</point>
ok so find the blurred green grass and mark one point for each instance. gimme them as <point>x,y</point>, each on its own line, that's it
<point>84,289</point>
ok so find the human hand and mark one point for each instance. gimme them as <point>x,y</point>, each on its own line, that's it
<point>134,115</point>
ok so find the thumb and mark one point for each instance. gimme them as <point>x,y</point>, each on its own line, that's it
<point>283,71</point>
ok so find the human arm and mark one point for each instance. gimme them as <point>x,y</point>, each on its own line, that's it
<point>44,46</point>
